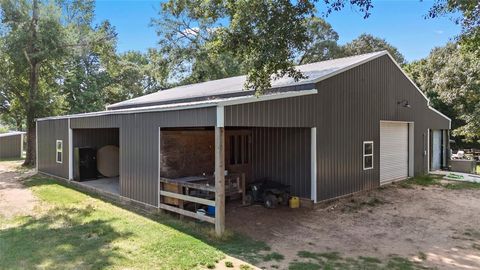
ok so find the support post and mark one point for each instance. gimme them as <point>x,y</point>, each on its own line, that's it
<point>219,180</point>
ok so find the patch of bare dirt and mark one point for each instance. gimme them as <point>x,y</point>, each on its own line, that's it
<point>15,199</point>
<point>442,224</point>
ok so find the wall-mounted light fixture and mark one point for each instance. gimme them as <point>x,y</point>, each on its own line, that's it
<point>404,103</point>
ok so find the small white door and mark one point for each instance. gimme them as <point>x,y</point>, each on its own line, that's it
<point>393,151</point>
<point>436,149</point>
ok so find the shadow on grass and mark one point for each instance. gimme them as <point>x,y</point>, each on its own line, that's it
<point>333,260</point>
<point>231,243</point>
<point>60,239</point>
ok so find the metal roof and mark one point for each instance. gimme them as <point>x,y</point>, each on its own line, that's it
<point>191,105</point>
<point>234,86</point>
<point>12,133</point>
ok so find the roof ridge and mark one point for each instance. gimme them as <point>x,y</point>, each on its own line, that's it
<point>313,71</point>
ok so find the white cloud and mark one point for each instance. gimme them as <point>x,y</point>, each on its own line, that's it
<point>438,32</point>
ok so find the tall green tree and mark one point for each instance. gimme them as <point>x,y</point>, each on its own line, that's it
<point>97,76</point>
<point>134,74</point>
<point>465,13</point>
<point>366,43</point>
<point>190,56</point>
<point>265,36</point>
<point>36,37</point>
<point>450,77</point>
<point>322,42</point>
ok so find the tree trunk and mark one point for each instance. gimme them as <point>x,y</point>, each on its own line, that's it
<point>31,114</point>
<point>31,157</point>
<point>33,89</point>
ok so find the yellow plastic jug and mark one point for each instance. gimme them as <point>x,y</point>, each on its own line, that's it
<point>294,202</point>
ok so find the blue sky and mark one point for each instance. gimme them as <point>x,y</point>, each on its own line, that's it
<point>400,22</point>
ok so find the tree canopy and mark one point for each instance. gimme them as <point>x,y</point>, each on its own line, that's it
<point>55,60</point>
<point>467,14</point>
<point>266,35</point>
<point>366,43</point>
<point>450,77</point>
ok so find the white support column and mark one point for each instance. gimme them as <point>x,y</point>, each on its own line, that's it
<point>159,185</point>
<point>36,146</point>
<point>411,149</point>
<point>220,173</point>
<point>21,145</point>
<point>428,150</point>
<point>70,151</point>
<point>313,165</point>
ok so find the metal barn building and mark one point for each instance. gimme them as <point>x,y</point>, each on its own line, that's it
<point>11,145</point>
<point>353,124</point>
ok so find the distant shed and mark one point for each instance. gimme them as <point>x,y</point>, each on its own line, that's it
<point>11,145</point>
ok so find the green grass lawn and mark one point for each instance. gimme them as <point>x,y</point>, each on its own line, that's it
<point>71,230</point>
<point>434,180</point>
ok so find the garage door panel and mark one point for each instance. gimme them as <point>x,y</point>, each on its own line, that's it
<point>393,151</point>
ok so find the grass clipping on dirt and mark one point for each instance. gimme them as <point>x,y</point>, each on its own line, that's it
<point>333,260</point>
<point>71,230</point>
<point>436,180</point>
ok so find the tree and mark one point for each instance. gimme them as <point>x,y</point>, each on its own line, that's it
<point>469,18</point>
<point>37,37</point>
<point>134,74</point>
<point>450,78</point>
<point>366,43</point>
<point>322,42</point>
<point>266,36</point>
<point>97,76</point>
<point>187,50</point>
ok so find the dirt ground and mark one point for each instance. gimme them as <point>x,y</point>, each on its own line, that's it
<point>437,226</point>
<point>15,199</point>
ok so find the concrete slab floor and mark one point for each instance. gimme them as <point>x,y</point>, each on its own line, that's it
<point>111,185</point>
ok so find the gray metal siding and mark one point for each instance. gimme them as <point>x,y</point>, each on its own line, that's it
<point>104,121</point>
<point>283,155</point>
<point>352,104</point>
<point>95,137</point>
<point>10,146</point>
<point>347,111</point>
<point>49,132</point>
<point>286,112</point>
<point>138,143</point>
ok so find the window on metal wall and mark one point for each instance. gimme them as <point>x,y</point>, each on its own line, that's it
<point>368,155</point>
<point>238,149</point>
<point>59,151</point>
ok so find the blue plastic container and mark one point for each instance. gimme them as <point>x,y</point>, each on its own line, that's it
<point>211,210</point>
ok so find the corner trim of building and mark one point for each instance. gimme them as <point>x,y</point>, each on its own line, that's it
<point>313,164</point>
<point>159,188</point>
<point>36,147</point>
<point>70,151</point>
<point>21,145</point>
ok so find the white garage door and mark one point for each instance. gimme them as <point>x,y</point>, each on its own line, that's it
<point>393,151</point>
